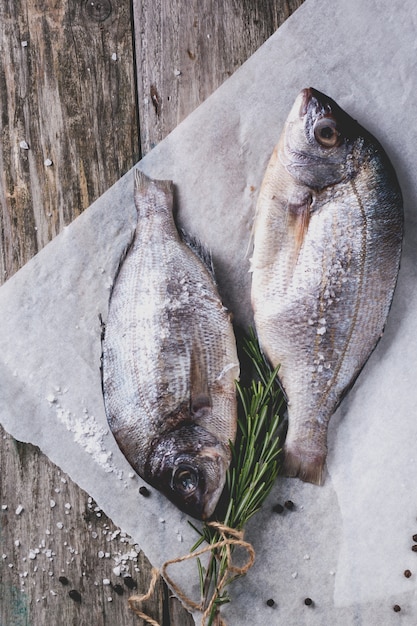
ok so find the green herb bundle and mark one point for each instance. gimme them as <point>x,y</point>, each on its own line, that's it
<point>252,472</point>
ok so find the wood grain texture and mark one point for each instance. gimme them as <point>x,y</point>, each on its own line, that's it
<point>68,91</point>
<point>61,542</point>
<point>68,116</point>
<point>186,50</point>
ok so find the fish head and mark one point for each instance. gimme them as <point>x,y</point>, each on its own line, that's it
<point>317,143</point>
<point>189,465</point>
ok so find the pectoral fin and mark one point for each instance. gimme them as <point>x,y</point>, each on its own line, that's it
<point>298,222</point>
<point>199,393</point>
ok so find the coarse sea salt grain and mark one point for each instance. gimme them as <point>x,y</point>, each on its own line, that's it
<point>19,509</point>
<point>89,434</point>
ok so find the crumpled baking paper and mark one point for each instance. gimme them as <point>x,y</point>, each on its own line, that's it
<point>346,544</point>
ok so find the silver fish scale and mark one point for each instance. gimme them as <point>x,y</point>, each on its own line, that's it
<point>168,339</point>
<point>321,304</point>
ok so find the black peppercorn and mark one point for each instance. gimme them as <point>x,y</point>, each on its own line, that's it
<point>74,595</point>
<point>414,537</point>
<point>289,504</point>
<point>407,573</point>
<point>63,580</point>
<point>308,602</point>
<point>278,508</point>
<point>396,608</point>
<point>129,582</point>
<point>414,548</point>
<point>118,589</point>
<point>270,602</point>
<point>144,491</point>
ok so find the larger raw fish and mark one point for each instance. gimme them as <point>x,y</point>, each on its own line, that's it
<point>170,361</point>
<point>327,245</point>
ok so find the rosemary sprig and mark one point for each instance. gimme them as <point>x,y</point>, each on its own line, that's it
<point>252,472</point>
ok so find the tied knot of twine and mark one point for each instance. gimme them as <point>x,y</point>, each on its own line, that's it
<point>228,537</point>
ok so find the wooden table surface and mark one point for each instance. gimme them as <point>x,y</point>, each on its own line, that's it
<point>87,87</point>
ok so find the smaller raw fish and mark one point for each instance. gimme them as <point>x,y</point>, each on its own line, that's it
<point>170,361</point>
<point>327,246</point>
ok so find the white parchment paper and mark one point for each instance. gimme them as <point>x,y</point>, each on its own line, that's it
<point>347,543</point>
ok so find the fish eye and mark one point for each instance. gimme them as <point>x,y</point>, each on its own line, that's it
<point>185,480</point>
<point>326,133</point>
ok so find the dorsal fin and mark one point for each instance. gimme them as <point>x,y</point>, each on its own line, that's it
<point>200,250</point>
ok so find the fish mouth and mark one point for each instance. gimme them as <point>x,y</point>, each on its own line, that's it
<point>306,95</point>
<point>313,99</point>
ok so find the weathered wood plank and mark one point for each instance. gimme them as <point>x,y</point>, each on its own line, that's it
<point>186,50</point>
<point>64,93</point>
<point>61,533</point>
<point>68,116</point>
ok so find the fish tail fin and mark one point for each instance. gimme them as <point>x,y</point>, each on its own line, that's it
<point>306,465</point>
<point>152,194</point>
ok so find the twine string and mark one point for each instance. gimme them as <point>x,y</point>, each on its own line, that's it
<point>135,600</point>
<point>229,537</point>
